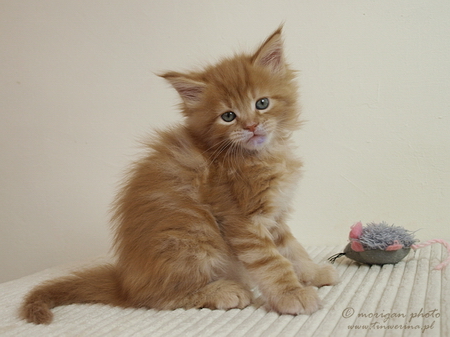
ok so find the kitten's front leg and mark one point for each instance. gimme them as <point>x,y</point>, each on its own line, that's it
<point>308,272</point>
<point>273,273</point>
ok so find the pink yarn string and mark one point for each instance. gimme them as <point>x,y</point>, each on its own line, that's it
<point>430,242</point>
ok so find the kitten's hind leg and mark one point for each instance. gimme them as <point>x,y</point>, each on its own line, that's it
<point>221,294</point>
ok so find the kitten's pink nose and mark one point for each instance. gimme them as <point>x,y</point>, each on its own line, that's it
<point>252,127</point>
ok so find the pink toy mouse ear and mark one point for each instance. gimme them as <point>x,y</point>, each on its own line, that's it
<point>356,230</point>
<point>357,246</point>
<point>395,246</point>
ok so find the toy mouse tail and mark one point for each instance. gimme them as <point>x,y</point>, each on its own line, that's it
<point>430,242</point>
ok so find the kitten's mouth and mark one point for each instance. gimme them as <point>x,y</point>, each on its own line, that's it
<point>256,141</point>
<point>254,138</point>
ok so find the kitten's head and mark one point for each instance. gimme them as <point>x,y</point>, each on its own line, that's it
<point>248,102</point>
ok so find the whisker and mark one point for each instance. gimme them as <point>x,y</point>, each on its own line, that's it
<point>222,146</point>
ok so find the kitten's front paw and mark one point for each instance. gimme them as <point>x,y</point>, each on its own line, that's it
<point>318,275</point>
<point>297,301</point>
<point>326,276</point>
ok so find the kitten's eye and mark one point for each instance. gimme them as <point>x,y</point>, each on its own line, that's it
<point>228,116</point>
<point>262,103</point>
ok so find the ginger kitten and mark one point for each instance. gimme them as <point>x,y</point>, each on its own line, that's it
<point>202,218</point>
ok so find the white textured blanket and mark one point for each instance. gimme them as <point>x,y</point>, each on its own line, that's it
<point>407,299</point>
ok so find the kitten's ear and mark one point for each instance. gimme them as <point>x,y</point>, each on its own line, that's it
<point>270,54</point>
<point>190,91</point>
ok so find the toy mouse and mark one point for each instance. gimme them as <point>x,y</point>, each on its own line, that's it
<point>382,244</point>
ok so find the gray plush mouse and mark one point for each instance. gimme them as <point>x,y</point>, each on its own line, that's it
<point>377,244</point>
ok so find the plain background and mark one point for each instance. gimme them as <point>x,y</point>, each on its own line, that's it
<point>78,91</point>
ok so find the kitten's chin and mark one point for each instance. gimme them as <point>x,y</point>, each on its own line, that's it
<point>256,143</point>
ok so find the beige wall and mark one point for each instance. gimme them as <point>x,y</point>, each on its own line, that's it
<point>78,90</point>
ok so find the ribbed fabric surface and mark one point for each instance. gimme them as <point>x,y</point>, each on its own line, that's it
<point>406,299</point>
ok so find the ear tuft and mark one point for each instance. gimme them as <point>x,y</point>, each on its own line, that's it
<point>270,54</point>
<point>190,91</point>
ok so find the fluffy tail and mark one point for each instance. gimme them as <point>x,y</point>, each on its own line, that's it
<point>99,285</point>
